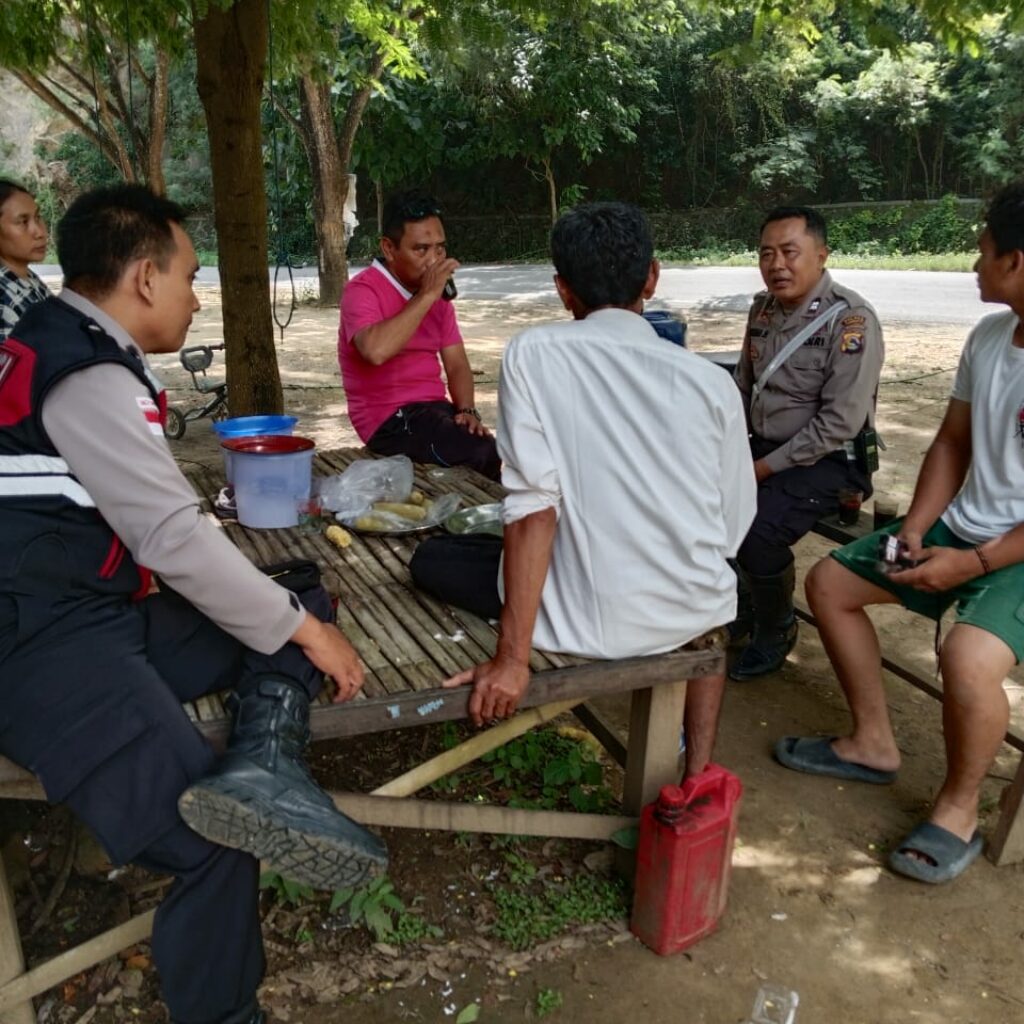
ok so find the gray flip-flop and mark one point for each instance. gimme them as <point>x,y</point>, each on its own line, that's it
<point>814,755</point>
<point>952,856</point>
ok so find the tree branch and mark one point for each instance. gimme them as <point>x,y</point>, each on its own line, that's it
<point>52,100</point>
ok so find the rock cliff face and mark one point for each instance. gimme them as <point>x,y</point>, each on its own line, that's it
<point>24,122</point>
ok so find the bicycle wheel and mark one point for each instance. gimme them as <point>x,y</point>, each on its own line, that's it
<point>174,427</point>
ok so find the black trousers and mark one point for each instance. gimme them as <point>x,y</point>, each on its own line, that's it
<point>427,432</point>
<point>90,700</point>
<point>461,571</point>
<point>790,503</point>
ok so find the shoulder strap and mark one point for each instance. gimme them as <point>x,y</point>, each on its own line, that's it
<point>795,342</point>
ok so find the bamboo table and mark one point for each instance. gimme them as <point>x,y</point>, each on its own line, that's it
<point>409,642</point>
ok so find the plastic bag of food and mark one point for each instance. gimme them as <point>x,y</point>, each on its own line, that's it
<point>353,492</point>
<point>402,517</point>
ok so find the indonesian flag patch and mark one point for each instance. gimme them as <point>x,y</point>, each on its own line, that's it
<point>152,414</point>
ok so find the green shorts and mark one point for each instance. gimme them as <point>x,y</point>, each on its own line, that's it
<point>994,602</point>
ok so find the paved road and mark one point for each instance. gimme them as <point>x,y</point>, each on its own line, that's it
<point>897,295</point>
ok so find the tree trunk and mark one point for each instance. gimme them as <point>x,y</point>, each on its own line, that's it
<point>549,177</point>
<point>157,124</point>
<point>330,186</point>
<point>231,47</point>
<point>330,155</point>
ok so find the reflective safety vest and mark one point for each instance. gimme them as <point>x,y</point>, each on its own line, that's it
<point>53,540</point>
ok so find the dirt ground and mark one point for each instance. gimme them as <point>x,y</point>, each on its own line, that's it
<point>811,907</point>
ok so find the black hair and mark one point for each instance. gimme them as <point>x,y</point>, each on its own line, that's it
<point>813,220</point>
<point>106,229</point>
<point>603,252</point>
<point>8,188</point>
<point>1004,218</point>
<point>404,207</point>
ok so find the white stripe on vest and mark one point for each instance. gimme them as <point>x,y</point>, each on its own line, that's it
<point>30,476</point>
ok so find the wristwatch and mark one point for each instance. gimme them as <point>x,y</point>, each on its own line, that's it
<point>472,412</point>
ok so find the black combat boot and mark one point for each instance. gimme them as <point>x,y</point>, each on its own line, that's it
<point>261,798</point>
<point>774,625</point>
<point>743,625</point>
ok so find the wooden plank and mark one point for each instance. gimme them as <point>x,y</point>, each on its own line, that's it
<point>603,732</point>
<point>436,815</point>
<point>12,962</point>
<point>424,707</point>
<point>26,787</point>
<point>655,719</point>
<point>1007,843</point>
<point>831,529</point>
<point>73,962</point>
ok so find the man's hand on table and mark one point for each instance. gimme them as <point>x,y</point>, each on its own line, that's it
<point>327,648</point>
<point>498,687</point>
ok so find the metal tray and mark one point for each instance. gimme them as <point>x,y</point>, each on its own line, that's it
<point>349,522</point>
<point>479,519</point>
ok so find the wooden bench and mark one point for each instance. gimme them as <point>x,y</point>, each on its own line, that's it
<point>1006,846</point>
<point>409,642</point>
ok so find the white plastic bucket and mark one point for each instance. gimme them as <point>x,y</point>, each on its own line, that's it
<point>271,474</point>
<point>246,426</point>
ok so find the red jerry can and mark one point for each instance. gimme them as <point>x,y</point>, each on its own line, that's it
<point>684,859</point>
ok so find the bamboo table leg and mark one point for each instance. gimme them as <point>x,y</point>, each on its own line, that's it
<point>652,758</point>
<point>12,963</point>
<point>655,719</point>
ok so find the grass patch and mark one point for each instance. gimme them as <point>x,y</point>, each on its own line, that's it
<point>531,913</point>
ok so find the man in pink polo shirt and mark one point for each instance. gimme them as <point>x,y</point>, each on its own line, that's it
<point>396,319</point>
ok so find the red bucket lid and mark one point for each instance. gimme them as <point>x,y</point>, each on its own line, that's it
<point>268,444</point>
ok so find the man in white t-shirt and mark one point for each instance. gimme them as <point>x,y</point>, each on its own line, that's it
<point>629,477</point>
<point>965,532</point>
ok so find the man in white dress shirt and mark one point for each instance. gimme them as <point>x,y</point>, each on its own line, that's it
<point>629,478</point>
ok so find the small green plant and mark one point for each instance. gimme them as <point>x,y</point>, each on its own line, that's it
<point>519,869</point>
<point>284,890</point>
<point>548,1000</point>
<point>303,935</point>
<point>526,916</point>
<point>375,904</point>
<point>543,769</point>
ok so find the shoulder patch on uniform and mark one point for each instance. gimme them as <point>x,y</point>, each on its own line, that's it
<point>151,413</point>
<point>853,342</point>
<point>853,321</point>
<point>8,360</point>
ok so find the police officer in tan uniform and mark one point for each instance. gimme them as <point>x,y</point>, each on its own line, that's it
<point>811,419</point>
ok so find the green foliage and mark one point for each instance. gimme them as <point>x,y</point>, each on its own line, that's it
<point>530,914</point>
<point>542,769</point>
<point>548,1000</point>
<point>284,890</point>
<point>378,907</point>
<point>468,1014</point>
